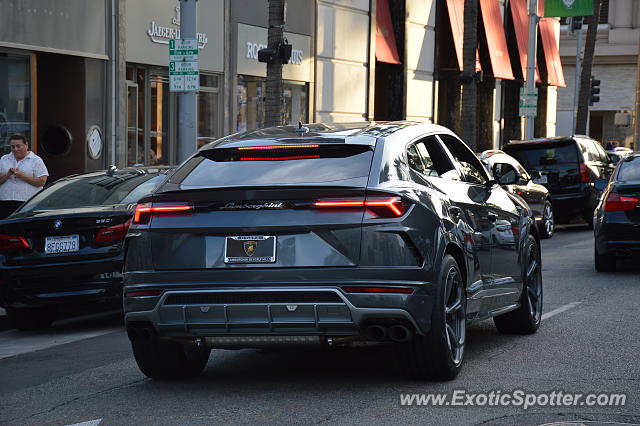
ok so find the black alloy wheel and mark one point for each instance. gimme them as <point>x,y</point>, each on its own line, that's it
<point>165,360</point>
<point>439,354</point>
<point>548,220</point>
<point>527,317</point>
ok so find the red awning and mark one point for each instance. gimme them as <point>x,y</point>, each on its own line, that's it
<point>520,17</point>
<point>496,39</point>
<point>456,18</point>
<point>551,53</point>
<point>386,50</point>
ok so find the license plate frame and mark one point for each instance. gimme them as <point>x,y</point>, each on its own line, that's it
<point>62,244</point>
<point>248,249</point>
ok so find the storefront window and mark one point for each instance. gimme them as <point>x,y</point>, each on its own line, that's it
<point>159,132</point>
<point>208,109</point>
<point>15,98</point>
<point>250,102</point>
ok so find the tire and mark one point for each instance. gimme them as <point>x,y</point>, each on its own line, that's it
<point>604,262</point>
<point>439,354</point>
<point>164,360</point>
<point>28,319</point>
<point>526,319</point>
<point>548,220</point>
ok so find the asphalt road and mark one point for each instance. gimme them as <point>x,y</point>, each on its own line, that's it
<point>83,371</point>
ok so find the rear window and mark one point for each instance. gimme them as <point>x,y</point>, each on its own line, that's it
<point>342,165</point>
<point>93,191</point>
<point>630,170</point>
<point>533,156</point>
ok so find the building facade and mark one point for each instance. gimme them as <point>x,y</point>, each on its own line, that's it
<point>88,80</point>
<point>615,64</point>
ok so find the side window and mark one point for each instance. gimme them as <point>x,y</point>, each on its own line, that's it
<point>521,171</point>
<point>602,154</point>
<point>414,160</point>
<point>471,168</point>
<point>429,157</point>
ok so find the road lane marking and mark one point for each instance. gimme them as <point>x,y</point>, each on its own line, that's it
<point>14,342</point>
<point>95,422</point>
<point>560,310</point>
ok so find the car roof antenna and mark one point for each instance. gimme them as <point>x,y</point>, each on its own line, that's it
<point>112,170</point>
<point>301,130</point>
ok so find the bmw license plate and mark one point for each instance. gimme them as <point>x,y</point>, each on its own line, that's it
<point>62,244</point>
<point>250,249</point>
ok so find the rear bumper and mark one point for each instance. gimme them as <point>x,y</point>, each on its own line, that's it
<point>573,204</point>
<point>79,282</point>
<point>619,239</point>
<point>309,309</point>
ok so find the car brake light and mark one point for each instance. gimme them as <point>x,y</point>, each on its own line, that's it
<point>284,158</point>
<point>113,233</point>
<point>261,148</point>
<point>616,203</point>
<point>381,207</point>
<point>584,173</point>
<point>13,243</point>
<point>378,290</point>
<point>145,211</point>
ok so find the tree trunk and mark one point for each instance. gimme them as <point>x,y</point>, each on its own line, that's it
<point>274,96</point>
<point>469,88</point>
<point>585,76</point>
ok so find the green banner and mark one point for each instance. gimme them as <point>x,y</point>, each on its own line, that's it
<point>568,7</point>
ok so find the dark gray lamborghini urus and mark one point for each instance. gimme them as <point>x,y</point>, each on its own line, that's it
<point>329,235</point>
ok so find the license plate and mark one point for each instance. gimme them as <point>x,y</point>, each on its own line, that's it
<point>62,244</point>
<point>250,249</point>
<point>541,180</point>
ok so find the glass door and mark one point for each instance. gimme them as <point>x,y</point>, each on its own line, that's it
<point>159,120</point>
<point>134,154</point>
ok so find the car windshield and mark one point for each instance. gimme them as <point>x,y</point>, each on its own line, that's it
<point>630,170</point>
<point>533,156</point>
<point>93,191</point>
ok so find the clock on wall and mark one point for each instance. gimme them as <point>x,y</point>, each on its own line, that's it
<point>94,142</point>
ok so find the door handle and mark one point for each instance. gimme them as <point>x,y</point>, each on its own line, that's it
<point>492,217</point>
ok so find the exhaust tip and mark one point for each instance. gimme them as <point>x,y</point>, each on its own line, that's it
<point>399,333</point>
<point>376,332</point>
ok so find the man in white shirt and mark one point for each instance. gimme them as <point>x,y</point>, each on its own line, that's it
<point>22,174</point>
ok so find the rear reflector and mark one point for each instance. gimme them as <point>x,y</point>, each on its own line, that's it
<point>13,243</point>
<point>381,207</point>
<point>378,290</point>
<point>616,203</point>
<point>145,211</point>
<point>143,293</point>
<point>113,234</point>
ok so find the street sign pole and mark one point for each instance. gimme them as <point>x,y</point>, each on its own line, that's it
<point>187,107</point>
<point>531,62</point>
<point>576,91</point>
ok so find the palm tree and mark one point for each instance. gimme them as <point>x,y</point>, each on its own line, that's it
<point>470,88</point>
<point>585,76</point>
<point>274,95</point>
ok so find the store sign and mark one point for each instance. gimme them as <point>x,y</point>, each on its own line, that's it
<point>251,39</point>
<point>160,34</point>
<point>568,8</point>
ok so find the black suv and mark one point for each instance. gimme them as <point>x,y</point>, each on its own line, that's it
<point>568,167</point>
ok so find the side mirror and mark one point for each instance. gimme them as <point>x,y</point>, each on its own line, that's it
<point>601,184</point>
<point>505,174</point>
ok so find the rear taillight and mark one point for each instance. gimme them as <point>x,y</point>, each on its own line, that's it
<point>381,207</point>
<point>113,234</point>
<point>616,203</point>
<point>584,173</point>
<point>13,243</point>
<point>144,212</point>
<point>272,147</point>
